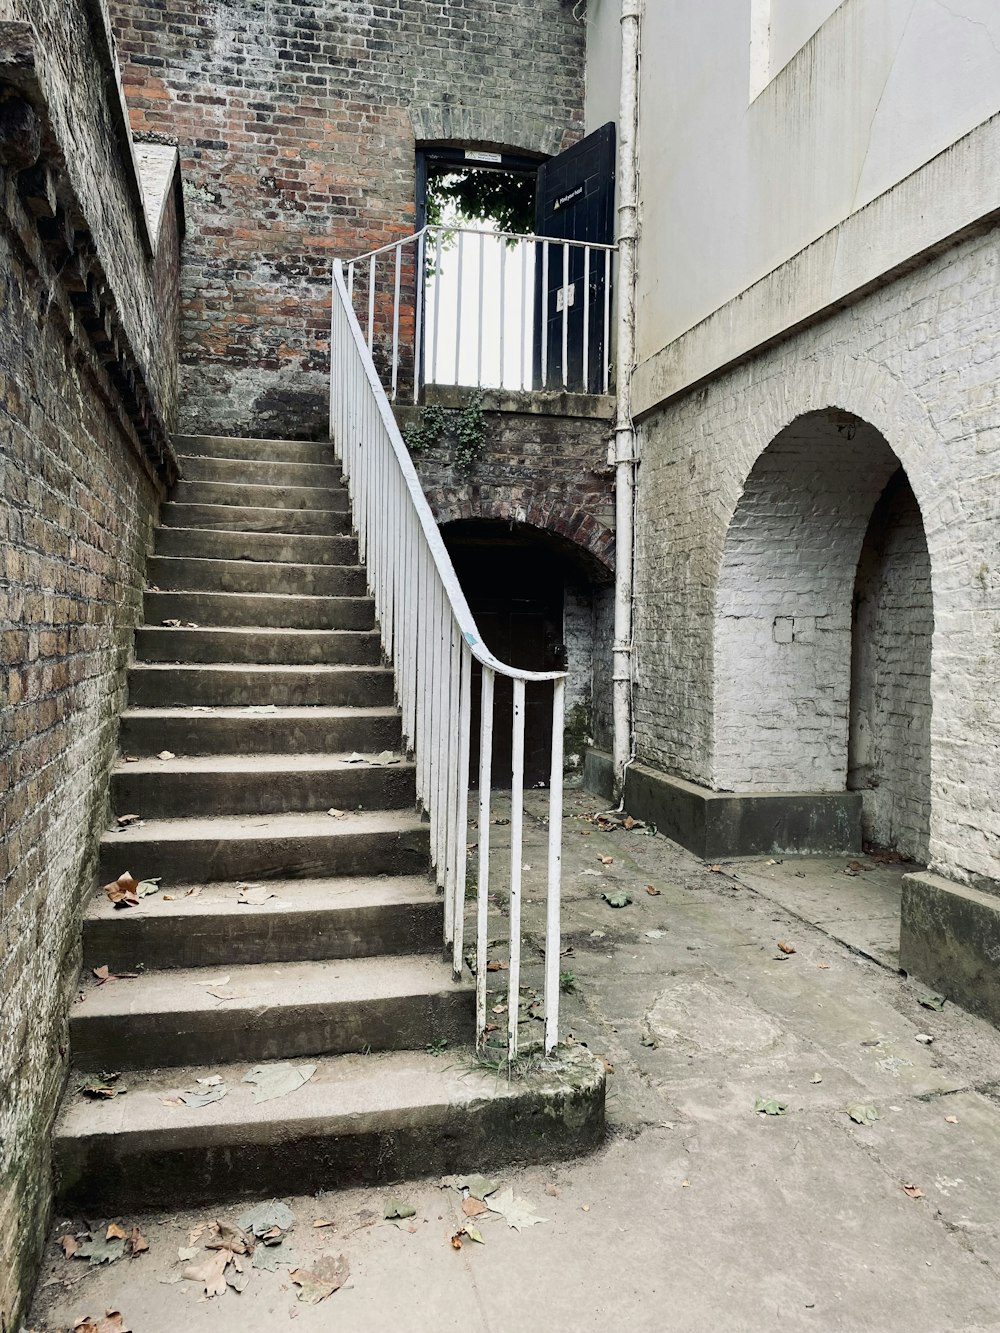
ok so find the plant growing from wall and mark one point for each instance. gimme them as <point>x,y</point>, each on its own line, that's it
<point>461,430</point>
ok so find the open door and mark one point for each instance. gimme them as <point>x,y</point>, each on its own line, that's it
<point>574,201</point>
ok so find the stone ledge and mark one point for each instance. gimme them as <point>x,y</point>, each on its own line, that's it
<point>950,940</point>
<point>529,402</point>
<point>715,824</point>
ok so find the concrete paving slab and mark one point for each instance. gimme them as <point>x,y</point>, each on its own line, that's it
<point>697,1216</point>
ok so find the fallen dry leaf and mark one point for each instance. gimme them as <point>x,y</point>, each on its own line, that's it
<point>653,893</point>
<point>914,1191</point>
<point>113,1322</point>
<point>456,1241</point>
<point>137,1242</point>
<point>474,1207</point>
<point>122,891</point>
<point>69,1245</point>
<point>951,1119</point>
<point>166,754</point>
<point>495,966</point>
<point>115,1232</point>
<point>336,814</point>
<point>606,860</point>
<point>125,820</point>
<point>325,1277</point>
<point>608,1066</point>
<point>324,1222</point>
<point>584,1207</point>
<point>209,1271</point>
<point>553,1191</point>
<point>786,948</point>
<point>823,967</point>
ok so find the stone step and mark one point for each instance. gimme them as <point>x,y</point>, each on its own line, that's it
<point>260,610</point>
<point>243,518</point>
<point>306,919</point>
<point>361,1119</point>
<point>222,730</point>
<point>160,685</point>
<point>278,451</point>
<point>195,575</point>
<point>259,547</point>
<point>258,472</point>
<point>261,784</point>
<point>260,497</point>
<point>288,846</point>
<point>289,647</point>
<point>272,1011</point>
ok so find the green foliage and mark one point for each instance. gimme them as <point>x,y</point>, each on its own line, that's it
<point>463,430</point>
<point>502,197</point>
<point>567,982</point>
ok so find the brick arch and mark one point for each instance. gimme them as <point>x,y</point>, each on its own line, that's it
<point>592,538</point>
<point>512,129</point>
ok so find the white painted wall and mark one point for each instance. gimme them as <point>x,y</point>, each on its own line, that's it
<point>604,59</point>
<point>733,188</point>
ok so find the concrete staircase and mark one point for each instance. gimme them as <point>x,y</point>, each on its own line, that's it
<point>265,693</point>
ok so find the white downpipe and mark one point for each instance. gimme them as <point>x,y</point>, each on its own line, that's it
<point>623,448</point>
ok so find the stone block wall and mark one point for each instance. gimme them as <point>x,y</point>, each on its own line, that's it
<point>917,359</point>
<point>88,321</point>
<point>297,122</point>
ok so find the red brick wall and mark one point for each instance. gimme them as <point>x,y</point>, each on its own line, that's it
<point>297,127</point>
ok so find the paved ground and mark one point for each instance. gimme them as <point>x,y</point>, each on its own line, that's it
<point>699,1215</point>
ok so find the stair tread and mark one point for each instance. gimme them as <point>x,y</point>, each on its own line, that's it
<point>292,631</point>
<point>306,896</point>
<point>317,668</point>
<point>241,764</point>
<point>268,987</point>
<point>244,561</point>
<point>292,713</point>
<point>264,827</point>
<point>346,1094</point>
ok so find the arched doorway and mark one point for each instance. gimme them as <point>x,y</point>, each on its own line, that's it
<point>823,627</point>
<point>542,603</point>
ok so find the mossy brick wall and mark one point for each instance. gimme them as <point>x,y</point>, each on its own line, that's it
<point>80,486</point>
<point>297,122</point>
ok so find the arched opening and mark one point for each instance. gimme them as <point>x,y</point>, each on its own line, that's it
<point>544,604</point>
<point>823,629</point>
<point>889,741</point>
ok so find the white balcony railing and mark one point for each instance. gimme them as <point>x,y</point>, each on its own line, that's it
<point>490,309</point>
<point>430,635</point>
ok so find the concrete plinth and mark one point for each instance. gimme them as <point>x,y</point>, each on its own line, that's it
<point>950,939</point>
<point>719,824</point>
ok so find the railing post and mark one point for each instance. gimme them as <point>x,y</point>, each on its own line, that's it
<point>516,840</point>
<point>553,904</point>
<point>483,881</point>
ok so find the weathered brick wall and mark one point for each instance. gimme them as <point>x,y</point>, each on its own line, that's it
<point>549,472</point>
<point>541,468</point>
<point>297,122</point>
<point>919,360</point>
<point>83,463</point>
<point>891,676</point>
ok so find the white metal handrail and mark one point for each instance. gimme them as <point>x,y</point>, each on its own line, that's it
<point>501,286</point>
<point>429,633</point>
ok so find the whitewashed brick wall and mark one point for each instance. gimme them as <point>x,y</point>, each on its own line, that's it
<point>890,742</point>
<point>920,361</point>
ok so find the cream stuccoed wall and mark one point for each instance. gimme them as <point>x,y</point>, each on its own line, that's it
<point>604,59</point>
<point>764,124</point>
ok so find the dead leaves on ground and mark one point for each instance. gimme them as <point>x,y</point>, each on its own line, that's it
<point>126,890</point>
<point>102,1087</point>
<point>112,1322</point>
<point>107,1249</point>
<point>322,1280</point>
